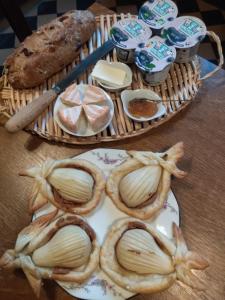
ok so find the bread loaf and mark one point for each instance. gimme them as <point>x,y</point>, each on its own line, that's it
<point>49,49</point>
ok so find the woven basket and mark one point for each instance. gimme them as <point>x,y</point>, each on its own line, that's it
<point>177,92</point>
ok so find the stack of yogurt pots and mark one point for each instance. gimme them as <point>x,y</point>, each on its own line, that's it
<point>156,38</point>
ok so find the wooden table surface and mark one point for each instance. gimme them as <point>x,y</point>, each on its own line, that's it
<point>200,195</point>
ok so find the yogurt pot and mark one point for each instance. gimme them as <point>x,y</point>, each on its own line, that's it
<point>185,33</point>
<point>126,35</point>
<point>154,58</point>
<point>157,13</point>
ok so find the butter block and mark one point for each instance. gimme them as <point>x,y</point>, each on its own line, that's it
<point>108,74</point>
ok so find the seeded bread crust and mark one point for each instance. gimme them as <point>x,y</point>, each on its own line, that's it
<point>49,49</point>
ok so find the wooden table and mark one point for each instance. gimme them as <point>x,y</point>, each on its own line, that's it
<point>200,194</point>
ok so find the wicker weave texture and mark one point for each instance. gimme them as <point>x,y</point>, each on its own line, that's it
<point>177,92</point>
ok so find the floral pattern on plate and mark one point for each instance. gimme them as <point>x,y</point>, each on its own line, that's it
<point>100,286</point>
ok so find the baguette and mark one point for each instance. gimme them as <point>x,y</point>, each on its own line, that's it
<point>49,49</point>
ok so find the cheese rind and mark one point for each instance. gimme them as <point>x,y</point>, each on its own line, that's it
<point>71,96</point>
<point>83,108</point>
<point>96,115</point>
<point>70,117</point>
<point>93,95</point>
<point>108,74</point>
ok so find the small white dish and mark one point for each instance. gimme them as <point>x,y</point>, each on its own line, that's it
<point>128,95</point>
<point>114,87</point>
<point>84,129</point>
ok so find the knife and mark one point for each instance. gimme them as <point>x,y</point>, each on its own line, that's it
<point>30,112</point>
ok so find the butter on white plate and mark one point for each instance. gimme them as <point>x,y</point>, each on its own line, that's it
<point>108,74</point>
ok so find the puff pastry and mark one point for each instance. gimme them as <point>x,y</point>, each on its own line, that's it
<point>144,176</point>
<point>182,260</point>
<point>36,236</point>
<point>90,182</point>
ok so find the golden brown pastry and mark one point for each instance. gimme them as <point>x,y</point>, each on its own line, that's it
<point>58,247</point>
<point>139,186</point>
<point>73,185</point>
<point>142,260</point>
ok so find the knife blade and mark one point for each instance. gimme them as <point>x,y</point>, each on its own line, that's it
<point>31,111</point>
<point>82,67</point>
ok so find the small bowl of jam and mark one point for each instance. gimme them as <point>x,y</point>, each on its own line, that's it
<point>142,105</point>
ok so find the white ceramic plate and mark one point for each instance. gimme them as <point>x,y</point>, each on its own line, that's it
<point>114,87</point>
<point>128,95</point>
<point>84,130</point>
<point>100,286</point>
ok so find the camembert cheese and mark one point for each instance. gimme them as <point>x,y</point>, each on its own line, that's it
<point>83,108</point>
<point>70,117</point>
<point>93,95</point>
<point>71,96</point>
<point>96,115</point>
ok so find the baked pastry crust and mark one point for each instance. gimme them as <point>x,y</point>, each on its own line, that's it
<point>38,233</point>
<point>43,192</point>
<point>183,259</point>
<point>138,159</point>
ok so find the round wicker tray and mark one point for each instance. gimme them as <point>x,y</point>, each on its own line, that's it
<point>177,92</point>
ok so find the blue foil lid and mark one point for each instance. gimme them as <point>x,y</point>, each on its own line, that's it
<point>157,13</point>
<point>184,32</point>
<point>154,55</point>
<point>130,32</point>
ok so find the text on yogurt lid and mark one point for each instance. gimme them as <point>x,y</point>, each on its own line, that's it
<point>184,32</point>
<point>128,33</point>
<point>157,13</point>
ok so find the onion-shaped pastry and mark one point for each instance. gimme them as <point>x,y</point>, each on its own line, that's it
<point>74,186</point>
<point>142,260</point>
<point>140,185</point>
<point>62,247</point>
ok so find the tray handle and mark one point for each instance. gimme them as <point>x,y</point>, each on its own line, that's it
<point>215,38</point>
<point>4,111</point>
<point>4,115</point>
